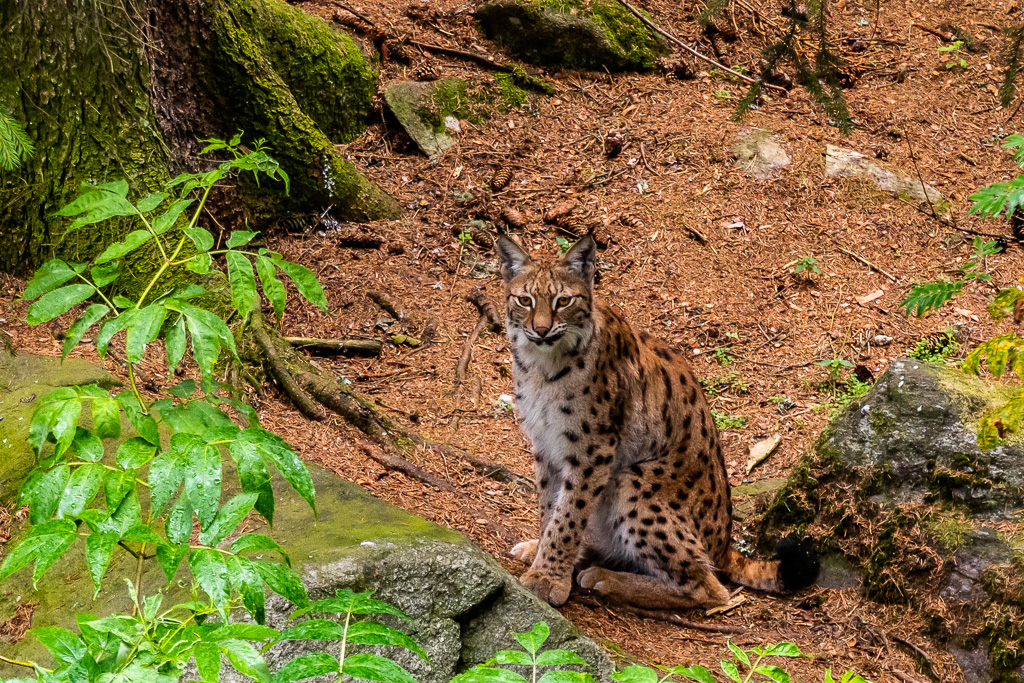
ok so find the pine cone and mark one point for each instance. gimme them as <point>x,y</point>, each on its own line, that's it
<point>428,71</point>
<point>631,221</point>
<point>574,223</point>
<point>676,68</point>
<point>556,211</point>
<point>513,218</point>
<point>501,177</point>
<point>614,141</point>
<point>394,50</point>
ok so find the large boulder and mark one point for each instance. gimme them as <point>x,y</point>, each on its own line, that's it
<point>570,33</point>
<point>464,605</point>
<point>902,500</point>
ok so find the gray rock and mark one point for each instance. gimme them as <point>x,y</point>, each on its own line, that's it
<point>570,33</point>
<point>846,163</point>
<point>413,104</point>
<point>757,154</point>
<point>974,663</point>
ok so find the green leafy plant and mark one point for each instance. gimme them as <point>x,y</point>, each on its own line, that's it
<point>722,355</point>
<point>835,367</point>
<point>15,145</point>
<point>725,422</point>
<point>531,657</point>
<point>563,245</point>
<point>722,94</point>
<point>929,296</point>
<point>936,348</point>
<point>995,199</point>
<point>954,52</point>
<point>732,381</point>
<point>806,265</point>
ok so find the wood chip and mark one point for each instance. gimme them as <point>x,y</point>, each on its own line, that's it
<point>760,451</point>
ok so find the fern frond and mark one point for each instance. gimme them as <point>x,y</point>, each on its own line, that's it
<point>15,145</point>
<point>992,200</point>
<point>928,296</point>
<point>714,7</point>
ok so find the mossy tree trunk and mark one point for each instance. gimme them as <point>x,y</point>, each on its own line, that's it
<point>124,89</point>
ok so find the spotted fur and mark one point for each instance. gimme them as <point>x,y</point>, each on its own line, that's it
<point>630,474</point>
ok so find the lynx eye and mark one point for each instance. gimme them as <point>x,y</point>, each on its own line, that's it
<point>524,301</point>
<point>563,301</point>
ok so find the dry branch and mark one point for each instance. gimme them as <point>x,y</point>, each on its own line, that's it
<point>280,372</point>
<point>671,618</point>
<point>407,468</point>
<point>867,263</point>
<point>467,351</point>
<point>479,299</point>
<point>354,347</point>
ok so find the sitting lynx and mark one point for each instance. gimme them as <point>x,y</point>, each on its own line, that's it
<point>629,466</point>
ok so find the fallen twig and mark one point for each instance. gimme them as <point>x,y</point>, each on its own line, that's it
<point>671,38</point>
<point>935,32</point>
<point>467,350</point>
<point>925,657</point>
<point>354,13</point>
<point>358,347</point>
<point>670,617</point>
<point>393,462</point>
<point>386,305</point>
<point>867,263</point>
<point>462,54</point>
<point>479,299</point>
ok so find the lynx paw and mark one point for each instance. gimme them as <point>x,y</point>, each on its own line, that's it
<point>592,579</point>
<point>554,591</point>
<point>526,551</point>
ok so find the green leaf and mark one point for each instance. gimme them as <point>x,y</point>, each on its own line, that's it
<point>257,542</point>
<point>314,629</point>
<point>87,445</point>
<point>345,600</point>
<point>738,653</point>
<point>105,274</point>
<point>929,296</point>
<point>134,453</point>
<point>636,674</point>
<point>82,488</point>
<point>306,666</point>
<point>249,584</point>
<point>62,643</point>
<point>559,658</point>
<point>202,475</point>
<point>168,218</point>
<point>43,494</point>
<point>207,656</point>
<point>369,633</point>
<point>254,478</point>
<point>305,282</point>
<point>696,673</point>
<point>93,314</point>
<point>128,513</point>
<point>57,303</point>
<point>170,556</point>
<point>211,573</point>
<point>143,423</point>
<point>228,517</point>
<point>205,345</point>
<point>145,328</point>
<point>533,639</point>
<point>775,673</point>
<point>150,201</point>
<point>731,671</point>
<point>43,544</point>
<point>200,237</point>
<point>112,326</point>
<point>98,549</point>
<point>98,203</point>
<point>201,263</point>
<point>242,631</point>
<point>239,238</point>
<point>165,476</point>
<point>174,343</point>
<point>56,414</point>
<point>183,389</point>
<point>487,674</point>
<point>134,240</point>
<point>117,485</point>
<point>783,650</point>
<point>566,677</point>
<point>245,659</point>
<point>373,667</point>
<point>513,657</point>
<point>179,521</point>
<point>243,282</point>
<point>273,288</point>
<point>49,276</point>
<point>141,533</point>
<point>283,581</point>
<point>276,450</point>
<point>106,417</point>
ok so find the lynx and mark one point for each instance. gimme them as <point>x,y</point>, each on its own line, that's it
<point>631,479</point>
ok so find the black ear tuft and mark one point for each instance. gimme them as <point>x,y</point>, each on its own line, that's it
<point>511,258</point>
<point>581,258</point>
<point>798,563</point>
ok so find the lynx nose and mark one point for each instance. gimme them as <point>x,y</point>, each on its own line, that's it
<point>542,330</point>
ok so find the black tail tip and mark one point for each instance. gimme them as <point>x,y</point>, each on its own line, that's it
<point>798,563</point>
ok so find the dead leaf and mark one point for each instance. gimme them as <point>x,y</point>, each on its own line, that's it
<point>868,298</point>
<point>761,450</point>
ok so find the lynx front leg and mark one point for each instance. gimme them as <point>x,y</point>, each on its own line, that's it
<point>549,482</point>
<point>585,476</point>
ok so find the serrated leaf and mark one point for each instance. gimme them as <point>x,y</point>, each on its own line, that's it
<point>150,201</point>
<point>243,282</point>
<point>57,303</point>
<point>373,667</point>
<point>106,417</point>
<point>104,274</point>
<point>346,600</point>
<point>183,389</point>
<point>245,658</point>
<point>174,343</point>
<point>228,517</point>
<point>369,633</point>
<point>565,677</point>
<point>242,631</point>
<point>179,521</point>
<point>202,463</point>
<point>257,542</point>
<point>83,485</point>
<point>559,658</point>
<point>929,296</point>
<point>211,573</point>
<point>487,674</point>
<point>168,218</point>
<point>533,639</point>
<point>111,327</point>
<point>134,453</point>
<point>49,276</point>
<point>141,533</point>
<point>201,263</point>
<point>314,629</point>
<point>200,237</point>
<point>117,485</point>
<point>64,645</point>
<point>87,445</point>
<point>239,238</point>
<point>306,666</point>
<point>45,493</point>
<point>92,315</point>
<point>254,477</point>
<point>143,423</point>
<point>144,329</point>
<point>731,671</point>
<point>283,581</point>
<point>98,549</point>
<point>273,448</point>
<point>134,240</point>
<point>207,656</point>
<point>56,414</point>
<point>636,674</point>
<point>784,649</point>
<point>273,288</point>
<point>738,653</point>
<point>696,673</point>
<point>249,584</point>
<point>305,282</point>
<point>166,473</point>
<point>43,544</point>
<point>513,657</point>
<point>205,346</point>
<point>775,673</point>
<point>128,513</point>
<point>170,556</point>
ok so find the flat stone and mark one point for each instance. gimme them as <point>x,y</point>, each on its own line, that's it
<point>846,163</point>
<point>408,101</point>
<point>757,154</point>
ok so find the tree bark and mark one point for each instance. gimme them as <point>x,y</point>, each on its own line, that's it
<point>122,90</point>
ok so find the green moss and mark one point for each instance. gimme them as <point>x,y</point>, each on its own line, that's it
<point>511,95</point>
<point>881,423</point>
<point>949,530</point>
<point>883,580</point>
<point>627,34</point>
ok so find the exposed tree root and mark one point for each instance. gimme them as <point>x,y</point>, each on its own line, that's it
<point>353,347</point>
<point>488,319</point>
<point>280,372</point>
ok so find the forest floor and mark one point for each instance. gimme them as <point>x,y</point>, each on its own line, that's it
<point>704,259</point>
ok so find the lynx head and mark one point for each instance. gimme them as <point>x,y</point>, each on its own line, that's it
<point>549,304</point>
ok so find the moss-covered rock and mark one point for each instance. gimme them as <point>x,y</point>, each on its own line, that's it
<point>897,487</point>
<point>570,33</point>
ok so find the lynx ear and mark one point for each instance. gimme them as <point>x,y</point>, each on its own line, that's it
<point>581,258</point>
<point>512,258</point>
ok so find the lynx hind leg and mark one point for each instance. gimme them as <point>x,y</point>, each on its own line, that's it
<point>651,592</point>
<point>526,551</point>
